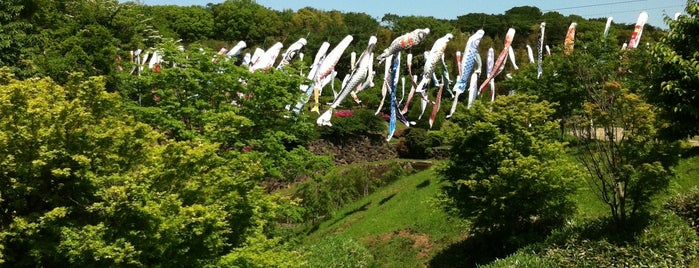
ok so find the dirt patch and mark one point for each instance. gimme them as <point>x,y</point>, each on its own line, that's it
<point>421,244</point>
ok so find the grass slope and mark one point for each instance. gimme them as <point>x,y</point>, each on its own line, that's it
<point>402,226</point>
<point>399,224</point>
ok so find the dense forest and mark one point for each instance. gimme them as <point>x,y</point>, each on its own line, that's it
<point>198,160</point>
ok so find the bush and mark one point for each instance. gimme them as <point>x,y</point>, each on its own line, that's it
<point>362,122</point>
<point>657,241</point>
<point>687,207</point>
<point>506,172</point>
<point>417,143</point>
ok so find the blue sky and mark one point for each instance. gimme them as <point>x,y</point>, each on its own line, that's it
<point>623,11</point>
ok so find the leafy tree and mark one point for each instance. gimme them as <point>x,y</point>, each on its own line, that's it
<point>244,20</point>
<point>84,185</point>
<point>493,25</point>
<point>569,80</point>
<point>525,20</point>
<point>13,33</point>
<point>676,90</point>
<point>628,165</point>
<point>598,88</point>
<point>556,27</point>
<point>506,172</point>
<point>191,23</point>
<point>92,50</point>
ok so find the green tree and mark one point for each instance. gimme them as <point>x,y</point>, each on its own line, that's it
<point>13,33</point>
<point>81,184</point>
<point>92,50</point>
<point>191,23</point>
<point>525,20</point>
<point>676,90</point>
<point>628,165</point>
<point>245,20</point>
<point>506,172</point>
<point>570,80</point>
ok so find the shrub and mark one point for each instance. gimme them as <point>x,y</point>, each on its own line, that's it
<point>360,122</point>
<point>506,172</point>
<point>417,143</point>
<point>687,207</point>
<point>661,240</point>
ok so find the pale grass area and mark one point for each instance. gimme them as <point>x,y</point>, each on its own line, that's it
<point>599,134</point>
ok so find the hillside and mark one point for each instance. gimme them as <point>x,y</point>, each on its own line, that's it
<point>401,225</point>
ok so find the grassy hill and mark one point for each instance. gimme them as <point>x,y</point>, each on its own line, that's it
<point>401,225</point>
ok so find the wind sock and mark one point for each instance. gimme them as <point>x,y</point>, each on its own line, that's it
<point>154,59</point>
<point>137,61</point>
<point>247,59</point>
<point>392,118</point>
<point>320,55</point>
<point>458,63</point>
<point>501,58</point>
<point>256,55</point>
<point>402,89</point>
<point>235,50</point>
<point>437,102</point>
<point>384,88</point>
<point>548,50</point>
<point>436,55</point>
<point>511,52</point>
<point>356,78</point>
<point>404,42</point>
<point>370,80</point>
<point>267,59</point>
<point>391,80</point>
<point>353,60</point>
<point>638,30</point>
<point>438,98</point>
<point>569,42</point>
<point>473,90</point>
<point>332,85</point>
<point>479,64</point>
<point>539,67</point>
<point>469,58</point>
<point>396,73</point>
<point>221,52</point>
<point>490,65</point>
<point>291,52</point>
<point>607,26</point>
<point>412,81</point>
<point>530,54</point>
<point>327,67</point>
